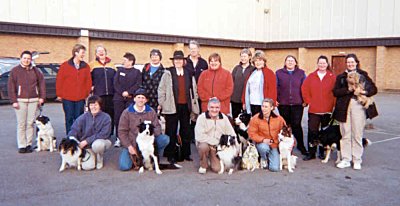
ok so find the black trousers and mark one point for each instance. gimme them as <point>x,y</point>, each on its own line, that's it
<point>293,114</point>
<point>255,109</point>
<point>119,107</point>
<point>237,108</point>
<point>108,107</point>
<point>171,129</point>
<point>314,123</point>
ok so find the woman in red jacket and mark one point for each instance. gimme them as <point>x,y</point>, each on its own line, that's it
<point>317,91</point>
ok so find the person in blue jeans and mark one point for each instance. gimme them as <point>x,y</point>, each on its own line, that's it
<point>263,130</point>
<point>128,130</point>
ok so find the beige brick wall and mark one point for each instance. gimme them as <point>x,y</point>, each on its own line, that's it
<point>60,50</point>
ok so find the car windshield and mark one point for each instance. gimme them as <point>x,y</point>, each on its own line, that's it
<point>6,64</point>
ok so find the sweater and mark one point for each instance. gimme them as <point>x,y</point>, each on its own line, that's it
<point>216,83</point>
<point>210,131</point>
<point>260,129</point>
<point>130,119</point>
<point>102,77</point>
<point>318,94</point>
<point>88,127</point>
<point>198,69</point>
<point>150,84</point>
<point>239,77</point>
<point>289,86</point>
<point>26,83</point>
<point>126,80</point>
<point>73,84</point>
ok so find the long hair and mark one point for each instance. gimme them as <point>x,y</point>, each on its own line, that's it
<point>295,60</point>
<point>354,56</point>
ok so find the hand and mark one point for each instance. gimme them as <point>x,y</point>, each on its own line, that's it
<point>15,105</point>
<point>277,103</point>
<point>83,144</point>
<point>92,88</point>
<point>132,150</point>
<point>125,94</point>
<point>304,104</point>
<point>41,101</point>
<point>59,99</point>
<point>267,141</point>
<point>244,107</point>
<point>158,108</point>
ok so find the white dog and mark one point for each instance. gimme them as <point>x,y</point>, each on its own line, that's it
<point>286,144</point>
<point>45,137</point>
<point>73,156</point>
<point>145,143</point>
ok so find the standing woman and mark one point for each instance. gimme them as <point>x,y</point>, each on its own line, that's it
<point>351,114</point>
<point>126,81</point>
<point>215,82</point>
<point>318,95</point>
<point>174,100</point>
<point>259,85</point>
<point>290,101</point>
<point>27,90</point>
<point>239,74</point>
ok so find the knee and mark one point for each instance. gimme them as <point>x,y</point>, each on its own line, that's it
<point>263,148</point>
<point>125,163</point>
<point>162,141</point>
<point>274,168</point>
<point>98,146</point>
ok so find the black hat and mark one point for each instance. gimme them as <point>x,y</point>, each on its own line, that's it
<point>156,52</point>
<point>178,55</point>
<point>140,91</point>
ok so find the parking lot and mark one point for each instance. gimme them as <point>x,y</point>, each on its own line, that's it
<point>33,179</point>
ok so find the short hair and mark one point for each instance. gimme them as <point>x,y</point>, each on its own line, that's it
<point>215,56</point>
<point>259,55</point>
<point>93,99</point>
<point>130,57</point>
<point>214,100</point>
<point>194,42</point>
<point>326,59</point>
<point>77,48</point>
<point>100,46</point>
<point>26,52</point>
<point>354,56</point>
<point>246,51</point>
<point>272,103</point>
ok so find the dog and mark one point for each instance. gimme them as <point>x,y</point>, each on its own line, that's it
<point>240,126</point>
<point>228,153</point>
<point>250,158</point>
<point>329,138</point>
<point>73,156</point>
<point>146,148</point>
<point>45,137</point>
<point>355,84</point>
<point>286,145</point>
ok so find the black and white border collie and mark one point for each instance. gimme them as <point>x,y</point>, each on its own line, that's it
<point>73,156</point>
<point>241,125</point>
<point>45,139</point>
<point>146,148</point>
<point>228,153</point>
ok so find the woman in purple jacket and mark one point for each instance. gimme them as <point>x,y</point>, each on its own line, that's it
<point>290,101</point>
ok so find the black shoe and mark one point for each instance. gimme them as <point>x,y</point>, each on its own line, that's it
<point>171,160</point>
<point>28,149</point>
<point>321,153</point>
<point>22,150</point>
<point>303,151</point>
<point>188,159</point>
<point>309,157</point>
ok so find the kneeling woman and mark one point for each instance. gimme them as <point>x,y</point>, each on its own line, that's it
<point>264,129</point>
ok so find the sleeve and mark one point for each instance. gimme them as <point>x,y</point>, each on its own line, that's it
<point>104,132</point>
<point>138,82</point>
<point>42,84</point>
<point>272,86</point>
<point>341,88</point>
<point>306,90</point>
<point>199,130</point>
<point>123,130</point>
<point>77,127</point>
<point>370,86</point>
<point>117,84</point>
<point>88,81</point>
<point>60,81</point>
<point>156,123</point>
<point>229,128</point>
<point>253,130</point>
<point>227,91</point>
<point>12,87</point>
<point>162,90</point>
<point>201,88</point>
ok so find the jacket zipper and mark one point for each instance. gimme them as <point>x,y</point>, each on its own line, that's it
<point>105,74</point>
<point>212,86</point>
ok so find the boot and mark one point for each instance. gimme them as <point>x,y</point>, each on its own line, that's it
<point>310,155</point>
<point>321,152</point>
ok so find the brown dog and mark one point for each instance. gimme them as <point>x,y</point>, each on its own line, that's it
<point>354,84</point>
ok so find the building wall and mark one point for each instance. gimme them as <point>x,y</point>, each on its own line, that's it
<point>252,20</point>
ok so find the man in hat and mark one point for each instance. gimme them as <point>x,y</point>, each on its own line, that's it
<point>175,102</point>
<point>131,117</point>
<point>151,77</point>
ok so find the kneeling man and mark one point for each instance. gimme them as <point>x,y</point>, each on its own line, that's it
<point>93,130</point>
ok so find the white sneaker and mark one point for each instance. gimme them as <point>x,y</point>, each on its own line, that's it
<point>343,164</point>
<point>263,164</point>
<point>117,143</point>
<point>357,166</point>
<point>99,161</point>
<point>202,170</point>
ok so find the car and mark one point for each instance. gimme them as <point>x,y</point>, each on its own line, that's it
<point>49,72</point>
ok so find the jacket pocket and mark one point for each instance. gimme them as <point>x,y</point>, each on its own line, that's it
<point>19,90</point>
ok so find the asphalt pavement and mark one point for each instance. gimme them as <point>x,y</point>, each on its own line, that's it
<point>33,179</point>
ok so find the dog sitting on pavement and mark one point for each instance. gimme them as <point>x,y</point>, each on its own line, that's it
<point>286,145</point>
<point>45,137</point>
<point>228,153</point>
<point>73,156</point>
<point>250,158</point>
<point>241,124</point>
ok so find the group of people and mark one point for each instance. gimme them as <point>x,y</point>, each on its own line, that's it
<point>197,99</point>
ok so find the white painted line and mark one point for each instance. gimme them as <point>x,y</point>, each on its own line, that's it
<point>379,132</point>
<point>385,140</point>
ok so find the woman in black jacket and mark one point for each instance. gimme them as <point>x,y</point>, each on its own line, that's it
<point>351,114</point>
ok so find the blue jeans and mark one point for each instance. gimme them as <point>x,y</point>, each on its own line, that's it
<point>72,110</point>
<point>125,162</point>
<point>273,156</point>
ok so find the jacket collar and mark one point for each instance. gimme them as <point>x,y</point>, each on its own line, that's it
<point>209,117</point>
<point>108,60</point>
<point>131,108</point>
<point>81,64</point>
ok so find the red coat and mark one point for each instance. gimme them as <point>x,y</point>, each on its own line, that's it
<point>319,94</point>
<point>73,84</point>
<point>269,84</point>
<point>215,83</point>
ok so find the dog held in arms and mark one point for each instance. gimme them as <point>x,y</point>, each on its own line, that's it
<point>329,138</point>
<point>356,83</point>
<point>228,153</point>
<point>73,156</point>
<point>286,145</point>
<point>45,137</point>
<point>146,147</point>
